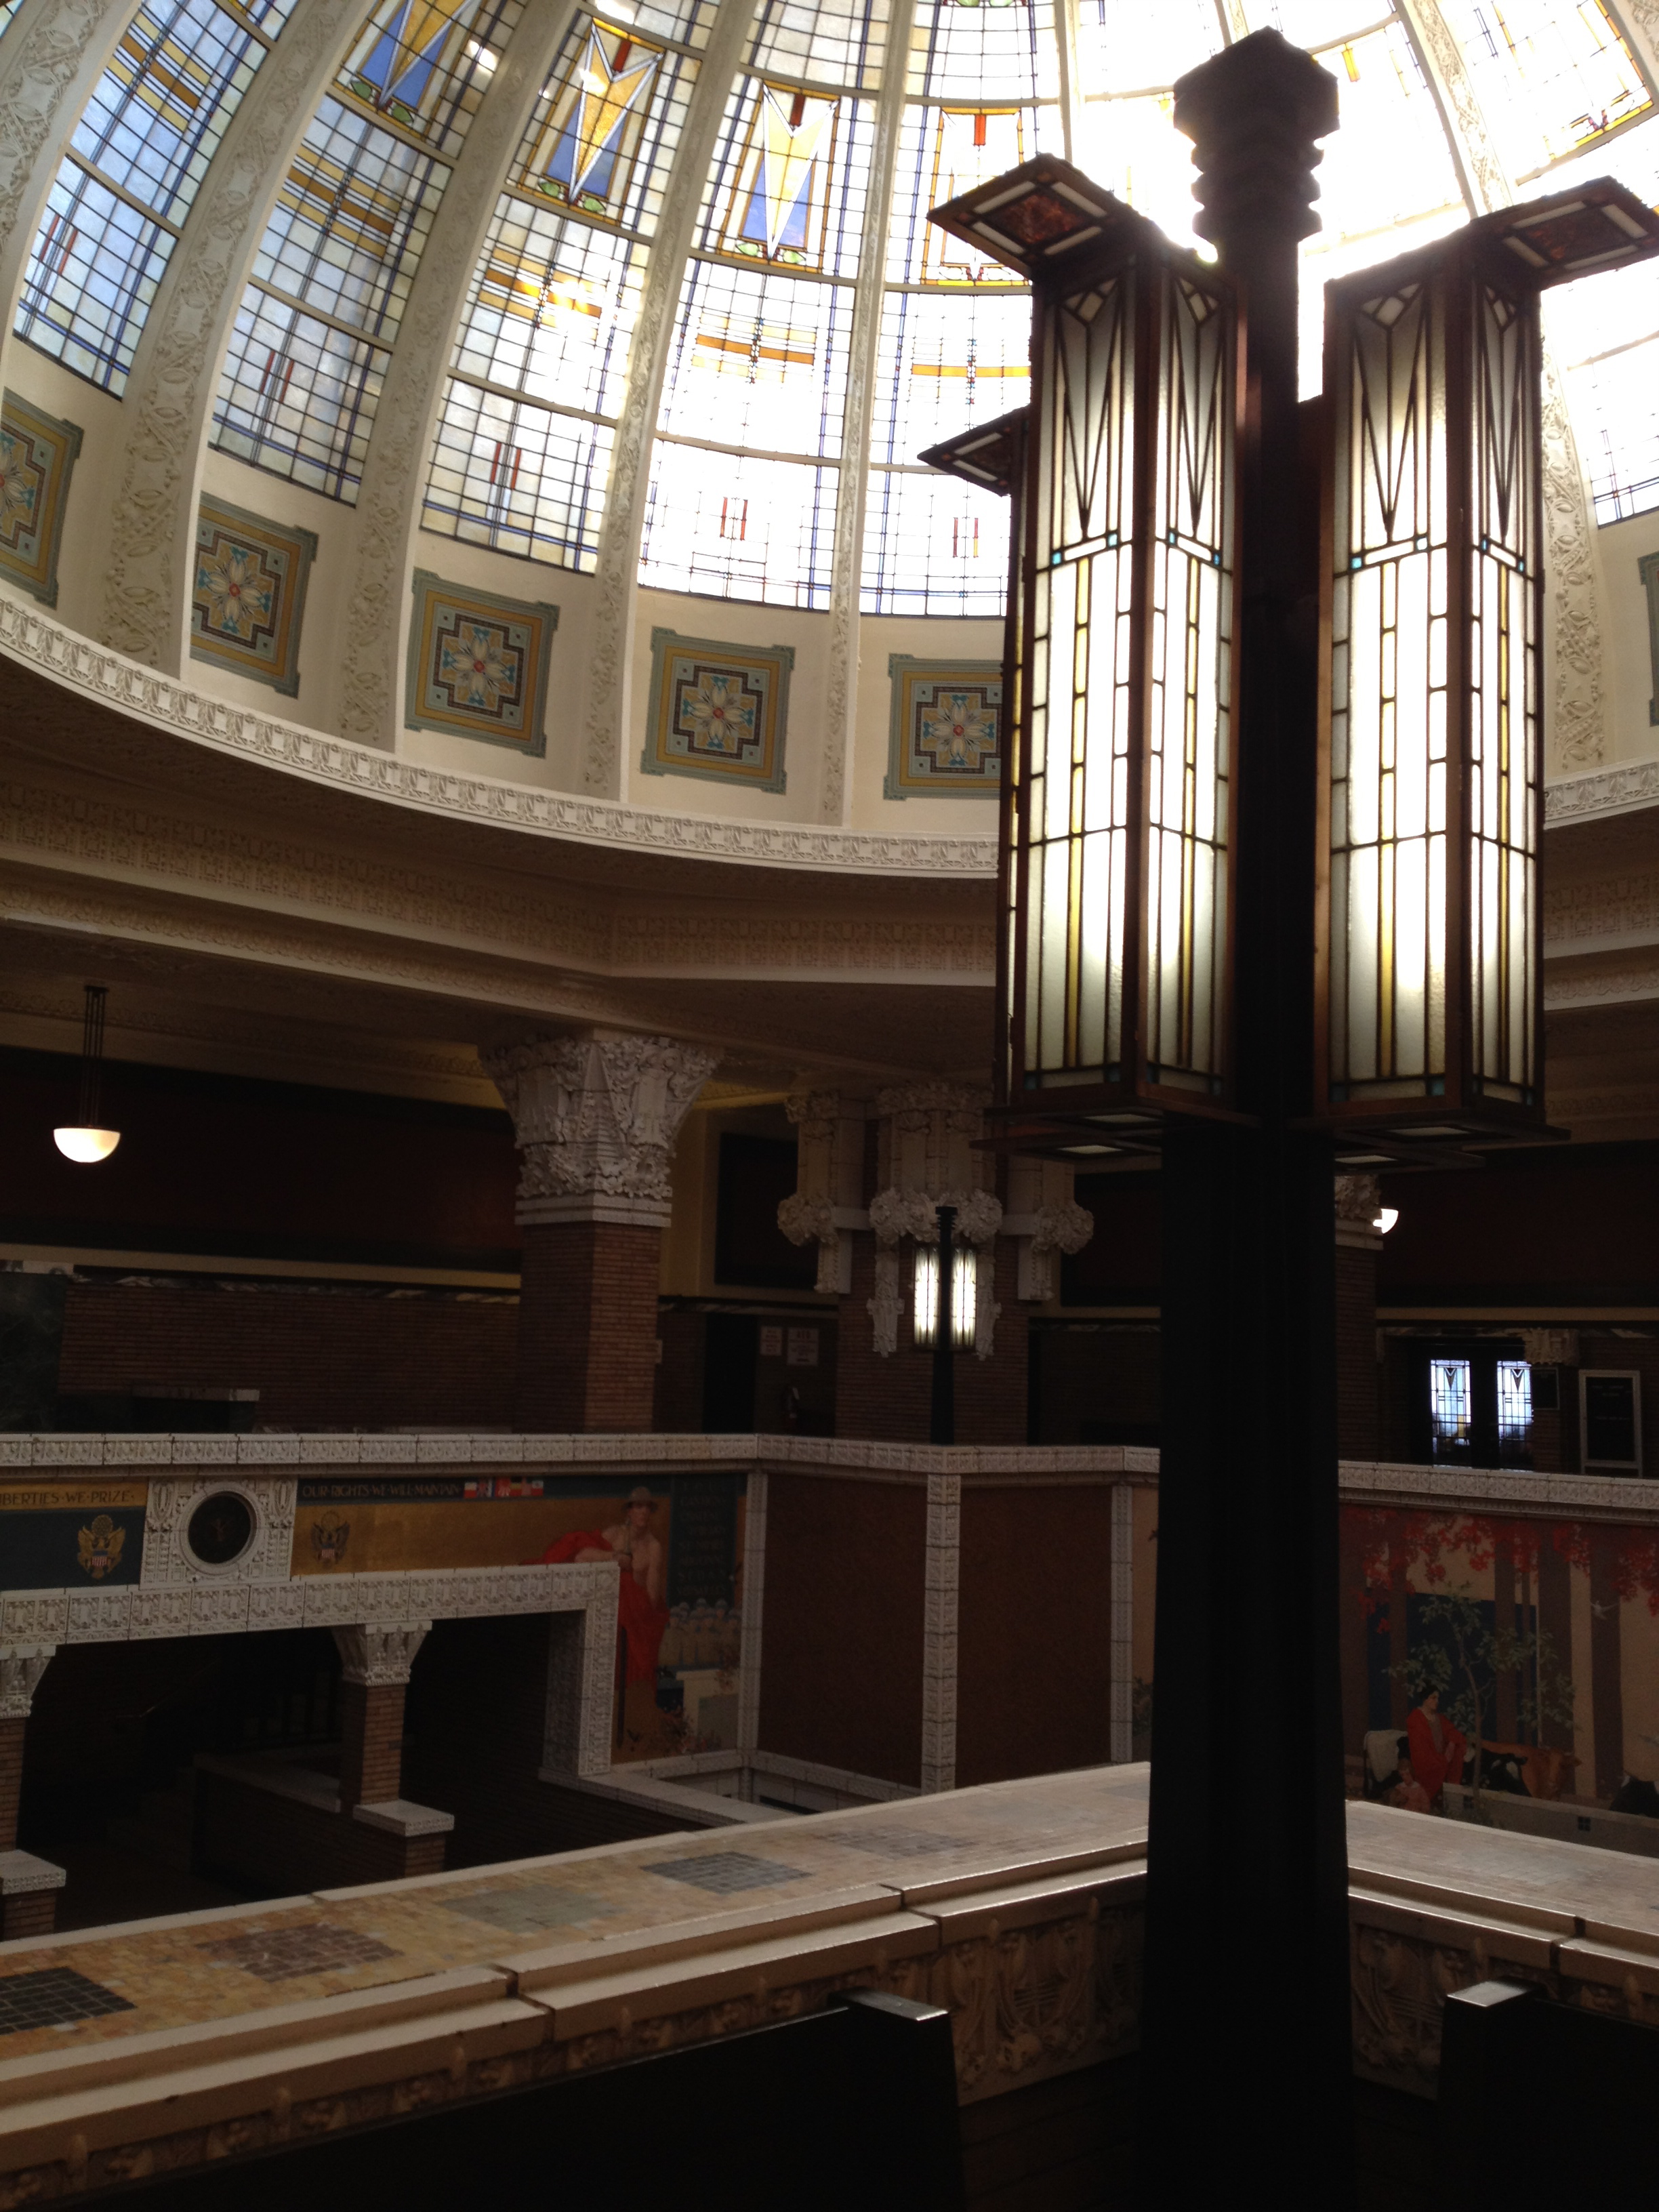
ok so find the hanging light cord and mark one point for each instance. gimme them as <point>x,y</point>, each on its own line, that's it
<point>92,1055</point>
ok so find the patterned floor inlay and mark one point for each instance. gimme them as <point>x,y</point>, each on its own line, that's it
<point>725,1873</point>
<point>277,1955</point>
<point>898,1843</point>
<point>56,1997</point>
<point>529,1912</point>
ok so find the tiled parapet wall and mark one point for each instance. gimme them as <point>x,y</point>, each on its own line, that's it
<point>1016,1906</point>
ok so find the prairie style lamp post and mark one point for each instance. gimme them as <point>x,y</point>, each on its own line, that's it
<point>1270,908</point>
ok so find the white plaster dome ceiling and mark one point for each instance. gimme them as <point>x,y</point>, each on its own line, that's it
<point>631,319</point>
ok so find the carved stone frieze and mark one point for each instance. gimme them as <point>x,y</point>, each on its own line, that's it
<point>22,1666</point>
<point>169,1557</point>
<point>596,1120</point>
<point>151,529</point>
<point>377,1656</point>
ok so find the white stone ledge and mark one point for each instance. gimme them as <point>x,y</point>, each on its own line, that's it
<point>400,1816</point>
<point>22,1874</point>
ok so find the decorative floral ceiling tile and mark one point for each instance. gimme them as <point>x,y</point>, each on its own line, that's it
<point>477,664</point>
<point>249,594</point>
<point>37,456</point>
<point>717,710</point>
<point>946,730</point>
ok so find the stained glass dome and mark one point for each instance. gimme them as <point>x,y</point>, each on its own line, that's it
<point>644,295</point>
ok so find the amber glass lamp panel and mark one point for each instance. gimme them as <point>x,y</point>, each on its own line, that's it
<point>1122,896</point>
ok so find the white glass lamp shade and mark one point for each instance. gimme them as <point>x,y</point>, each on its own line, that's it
<point>1386,1220</point>
<point>86,1145</point>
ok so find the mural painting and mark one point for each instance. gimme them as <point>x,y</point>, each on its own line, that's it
<point>71,1535</point>
<point>1489,1658</point>
<point>678,1543</point>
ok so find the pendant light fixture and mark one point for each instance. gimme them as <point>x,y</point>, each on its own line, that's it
<point>86,1142</point>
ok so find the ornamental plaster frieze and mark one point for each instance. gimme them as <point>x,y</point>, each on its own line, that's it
<point>1593,985</point>
<point>111,680</point>
<point>1610,913</point>
<point>394,470</point>
<point>1623,789</point>
<point>151,528</point>
<point>175,851</point>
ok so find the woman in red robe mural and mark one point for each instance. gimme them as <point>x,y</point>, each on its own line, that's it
<point>1437,1748</point>
<point>642,1609</point>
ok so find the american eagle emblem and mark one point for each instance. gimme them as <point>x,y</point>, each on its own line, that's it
<point>328,1540</point>
<point>101,1547</point>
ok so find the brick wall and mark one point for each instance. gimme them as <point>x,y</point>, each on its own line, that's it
<point>318,1358</point>
<point>891,1397</point>
<point>842,1680</point>
<point>587,1326</point>
<point>11,1779</point>
<point>1034,1653</point>
<point>371,1742</point>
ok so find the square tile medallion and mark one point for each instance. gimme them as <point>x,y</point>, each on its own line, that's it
<point>717,711</point>
<point>37,458</point>
<point>725,1873</point>
<point>945,736</point>
<point>530,1911</point>
<point>279,1954</point>
<point>248,594</point>
<point>477,664</point>
<point>55,1997</point>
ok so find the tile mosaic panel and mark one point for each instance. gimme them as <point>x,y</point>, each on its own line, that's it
<point>895,1842</point>
<point>725,1873</point>
<point>36,457</point>
<point>945,735</point>
<point>530,1911</point>
<point>248,594</point>
<point>54,1998</point>
<point>717,711</point>
<point>477,664</point>
<point>279,1954</point>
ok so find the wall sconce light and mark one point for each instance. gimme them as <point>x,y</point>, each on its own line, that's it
<point>924,1310</point>
<point>85,1142</point>
<point>1386,1220</point>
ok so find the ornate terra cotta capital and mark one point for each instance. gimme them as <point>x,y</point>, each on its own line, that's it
<point>376,1656</point>
<point>22,1666</point>
<point>596,1118</point>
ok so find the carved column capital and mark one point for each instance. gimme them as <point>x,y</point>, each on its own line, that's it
<point>1359,1203</point>
<point>596,1118</point>
<point>377,1657</point>
<point>22,1666</point>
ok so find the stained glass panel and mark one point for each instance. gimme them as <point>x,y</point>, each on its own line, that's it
<point>523,478</point>
<point>739,526</point>
<point>297,396</point>
<point>1550,76</point>
<point>964,53</point>
<point>836,42</point>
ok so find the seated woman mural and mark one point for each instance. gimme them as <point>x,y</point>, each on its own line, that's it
<point>642,1610</point>
<point>1437,1749</point>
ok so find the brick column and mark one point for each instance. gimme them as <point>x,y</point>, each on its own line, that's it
<point>28,1885</point>
<point>596,1117</point>
<point>373,1681</point>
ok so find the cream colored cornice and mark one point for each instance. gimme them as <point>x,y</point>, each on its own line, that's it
<point>1622,790</point>
<point>95,673</point>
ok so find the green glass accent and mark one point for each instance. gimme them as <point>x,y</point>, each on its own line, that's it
<point>1647,568</point>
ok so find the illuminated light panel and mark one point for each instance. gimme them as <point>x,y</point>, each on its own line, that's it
<point>1434,599</point>
<point>1550,77</point>
<point>138,155</point>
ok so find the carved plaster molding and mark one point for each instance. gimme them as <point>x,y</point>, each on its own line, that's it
<point>22,1666</point>
<point>1628,984</point>
<point>596,1120</point>
<point>1044,1237</point>
<point>168,1558</point>
<point>54,52</point>
<point>1576,722</point>
<point>380,1657</point>
<point>144,694</point>
<point>1623,789</point>
<point>151,532</point>
<point>392,488</point>
<point>616,569</point>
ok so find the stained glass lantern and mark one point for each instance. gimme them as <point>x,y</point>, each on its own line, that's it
<point>1429,946</point>
<point>1119,888</point>
<point>993,456</point>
